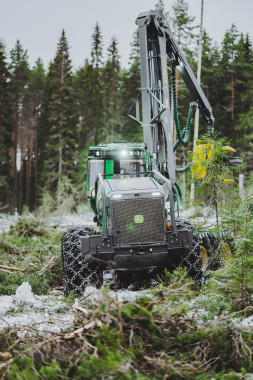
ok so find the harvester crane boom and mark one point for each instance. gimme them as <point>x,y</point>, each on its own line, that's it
<point>158,49</point>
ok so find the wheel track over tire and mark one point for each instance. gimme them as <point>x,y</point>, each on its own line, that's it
<point>193,259</point>
<point>77,274</point>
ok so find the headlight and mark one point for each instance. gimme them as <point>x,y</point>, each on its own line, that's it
<point>117,196</point>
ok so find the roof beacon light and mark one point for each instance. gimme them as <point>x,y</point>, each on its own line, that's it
<point>124,153</point>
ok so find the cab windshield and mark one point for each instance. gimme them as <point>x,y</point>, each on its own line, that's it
<point>131,166</point>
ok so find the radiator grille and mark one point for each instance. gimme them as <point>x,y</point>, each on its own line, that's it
<point>151,211</point>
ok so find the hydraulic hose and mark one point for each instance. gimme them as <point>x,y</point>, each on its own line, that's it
<point>177,194</point>
<point>178,190</point>
<point>184,169</point>
<point>184,136</point>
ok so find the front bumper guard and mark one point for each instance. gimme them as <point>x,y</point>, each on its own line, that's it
<point>136,257</point>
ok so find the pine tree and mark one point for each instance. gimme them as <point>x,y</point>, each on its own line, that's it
<point>19,71</point>
<point>6,128</point>
<point>112,96</point>
<point>60,121</point>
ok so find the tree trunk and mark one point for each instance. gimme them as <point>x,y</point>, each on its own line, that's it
<point>233,94</point>
<point>22,157</point>
<point>59,171</point>
<point>13,154</point>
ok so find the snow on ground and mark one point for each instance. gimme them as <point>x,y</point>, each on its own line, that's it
<point>96,295</point>
<point>206,218</point>
<point>50,313</point>
<point>6,221</point>
<point>84,216</point>
<point>26,309</point>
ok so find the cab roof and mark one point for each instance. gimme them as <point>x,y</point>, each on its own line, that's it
<point>118,145</point>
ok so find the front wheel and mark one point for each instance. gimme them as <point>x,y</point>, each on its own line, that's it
<point>192,260</point>
<point>77,274</point>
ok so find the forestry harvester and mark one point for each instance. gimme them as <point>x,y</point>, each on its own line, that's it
<point>132,187</point>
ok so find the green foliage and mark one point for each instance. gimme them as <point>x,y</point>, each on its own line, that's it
<point>52,371</point>
<point>54,115</point>
<point>48,204</point>
<point>66,196</point>
<point>182,22</point>
<point>218,185</point>
<point>23,370</point>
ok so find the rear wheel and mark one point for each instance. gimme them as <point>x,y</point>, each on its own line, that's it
<point>77,274</point>
<point>226,255</point>
<point>219,250</point>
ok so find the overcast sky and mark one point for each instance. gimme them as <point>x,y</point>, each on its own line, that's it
<point>38,23</point>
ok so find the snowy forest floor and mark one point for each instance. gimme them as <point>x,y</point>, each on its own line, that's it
<point>37,323</point>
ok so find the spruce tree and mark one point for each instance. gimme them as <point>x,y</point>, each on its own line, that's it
<point>19,70</point>
<point>95,89</point>
<point>210,75</point>
<point>182,23</point>
<point>112,96</point>
<point>83,85</point>
<point>130,87</point>
<point>183,28</point>
<point>34,98</point>
<point>6,129</point>
<point>228,74</point>
<point>60,121</point>
<point>160,6</point>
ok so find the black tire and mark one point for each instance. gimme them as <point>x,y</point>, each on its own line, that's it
<point>77,274</point>
<point>192,260</point>
<point>123,280</point>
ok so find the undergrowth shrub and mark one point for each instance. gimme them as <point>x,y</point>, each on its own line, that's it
<point>28,248</point>
<point>28,227</point>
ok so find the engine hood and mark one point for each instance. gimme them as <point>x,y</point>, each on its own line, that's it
<point>138,184</point>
